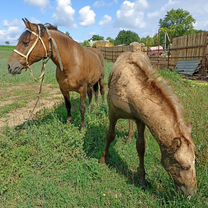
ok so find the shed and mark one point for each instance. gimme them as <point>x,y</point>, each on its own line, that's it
<point>189,67</point>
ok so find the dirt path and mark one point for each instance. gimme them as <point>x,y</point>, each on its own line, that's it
<point>20,115</point>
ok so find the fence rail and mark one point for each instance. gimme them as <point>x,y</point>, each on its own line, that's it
<point>186,47</point>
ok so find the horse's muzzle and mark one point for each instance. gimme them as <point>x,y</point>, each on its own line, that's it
<point>15,68</point>
<point>189,192</point>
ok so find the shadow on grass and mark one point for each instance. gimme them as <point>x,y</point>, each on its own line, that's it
<point>59,113</point>
<point>94,145</point>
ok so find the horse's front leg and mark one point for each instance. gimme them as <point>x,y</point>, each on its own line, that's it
<point>68,105</point>
<point>140,145</point>
<point>83,94</point>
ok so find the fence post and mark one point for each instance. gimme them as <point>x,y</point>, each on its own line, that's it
<point>206,57</point>
<point>158,42</point>
<point>169,57</point>
<point>186,47</point>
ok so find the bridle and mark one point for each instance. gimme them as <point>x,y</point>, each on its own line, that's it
<point>47,56</point>
<point>38,37</point>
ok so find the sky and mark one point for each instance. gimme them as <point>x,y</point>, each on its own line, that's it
<point>84,18</point>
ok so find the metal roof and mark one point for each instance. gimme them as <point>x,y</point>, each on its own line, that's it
<point>188,67</point>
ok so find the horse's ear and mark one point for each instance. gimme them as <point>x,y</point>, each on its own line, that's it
<point>30,25</point>
<point>26,22</point>
<point>176,143</point>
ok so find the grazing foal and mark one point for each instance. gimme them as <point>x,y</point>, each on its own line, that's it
<point>136,92</point>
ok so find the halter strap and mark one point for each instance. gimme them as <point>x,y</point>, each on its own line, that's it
<point>51,41</point>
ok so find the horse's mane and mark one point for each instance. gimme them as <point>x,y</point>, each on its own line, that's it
<point>155,80</point>
<point>50,27</point>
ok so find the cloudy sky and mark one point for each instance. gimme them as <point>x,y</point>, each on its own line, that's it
<point>83,18</point>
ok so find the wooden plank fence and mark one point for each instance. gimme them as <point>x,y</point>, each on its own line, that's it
<point>188,47</point>
<point>184,48</point>
<point>112,53</point>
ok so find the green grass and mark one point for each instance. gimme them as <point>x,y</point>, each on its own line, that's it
<point>47,163</point>
<point>21,88</point>
<point>10,107</point>
<point>7,79</point>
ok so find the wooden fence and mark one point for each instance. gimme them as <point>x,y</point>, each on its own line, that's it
<point>187,47</point>
<point>112,53</point>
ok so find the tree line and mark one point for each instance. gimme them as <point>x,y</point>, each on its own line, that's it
<point>177,22</point>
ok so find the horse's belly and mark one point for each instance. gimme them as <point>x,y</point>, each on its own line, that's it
<point>94,77</point>
<point>68,84</point>
<point>123,108</point>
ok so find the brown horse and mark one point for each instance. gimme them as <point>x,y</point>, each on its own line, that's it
<point>136,92</point>
<point>78,68</point>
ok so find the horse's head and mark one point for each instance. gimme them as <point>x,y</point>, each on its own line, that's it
<point>32,47</point>
<point>179,161</point>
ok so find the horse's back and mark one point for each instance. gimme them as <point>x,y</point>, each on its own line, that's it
<point>125,82</point>
<point>99,54</point>
<point>95,61</point>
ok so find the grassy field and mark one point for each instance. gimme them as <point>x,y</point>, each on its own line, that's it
<point>17,91</point>
<point>47,163</point>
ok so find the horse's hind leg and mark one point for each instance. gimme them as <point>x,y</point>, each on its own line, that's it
<point>90,96</point>
<point>89,93</point>
<point>131,131</point>
<point>83,93</point>
<point>68,105</point>
<point>140,145</point>
<point>110,137</point>
<point>95,88</point>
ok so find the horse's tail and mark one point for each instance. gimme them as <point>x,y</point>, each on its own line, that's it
<point>102,87</point>
<point>96,87</point>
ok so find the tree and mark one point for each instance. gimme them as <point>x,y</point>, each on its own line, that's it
<point>126,37</point>
<point>7,42</point>
<point>111,40</point>
<point>86,43</point>
<point>68,34</point>
<point>148,41</point>
<point>176,23</point>
<point>96,37</point>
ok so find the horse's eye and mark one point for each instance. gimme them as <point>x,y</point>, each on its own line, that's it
<point>26,44</point>
<point>186,167</point>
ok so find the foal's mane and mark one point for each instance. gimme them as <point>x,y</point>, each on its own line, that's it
<point>154,79</point>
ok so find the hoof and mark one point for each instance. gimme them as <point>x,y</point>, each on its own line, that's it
<point>144,184</point>
<point>103,160</point>
<point>69,120</point>
<point>82,127</point>
<point>91,108</point>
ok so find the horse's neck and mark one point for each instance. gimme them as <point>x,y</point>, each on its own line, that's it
<point>64,47</point>
<point>157,114</point>
<point>160,120</point>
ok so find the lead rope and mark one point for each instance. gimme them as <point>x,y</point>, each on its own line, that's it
<point>41,79</point>
<point>53,42</point>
